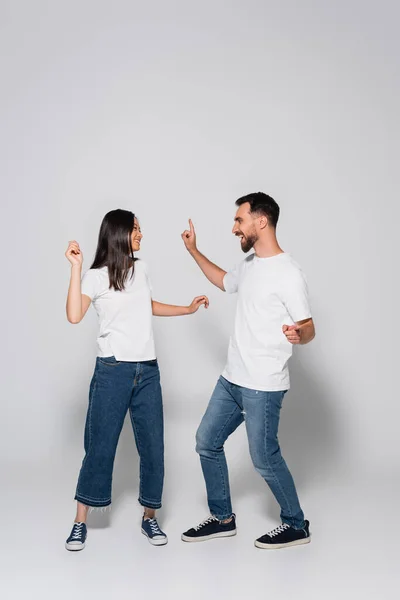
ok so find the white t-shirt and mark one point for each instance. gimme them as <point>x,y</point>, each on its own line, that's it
<point>271,292</point>
<point>125,317</point>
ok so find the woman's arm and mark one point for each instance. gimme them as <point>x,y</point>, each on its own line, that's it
<point>169,310</point>
<point>77,303</point>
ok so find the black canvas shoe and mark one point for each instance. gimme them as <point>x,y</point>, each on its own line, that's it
<point>210,528</point>
<point>77,538</point>
<point>284,536</point>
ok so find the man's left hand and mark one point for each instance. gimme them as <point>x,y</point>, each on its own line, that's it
<point>293,333</point>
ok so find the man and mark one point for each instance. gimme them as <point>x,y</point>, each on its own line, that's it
<point>272,314</point>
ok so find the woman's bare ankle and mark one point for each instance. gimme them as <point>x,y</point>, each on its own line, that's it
<point>81,513</point>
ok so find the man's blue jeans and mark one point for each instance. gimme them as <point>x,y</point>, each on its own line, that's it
<point>117,387</point>
<point>229,406</point>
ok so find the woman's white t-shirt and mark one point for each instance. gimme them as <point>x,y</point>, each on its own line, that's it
<point>271,292</point>
<point>125,317</point>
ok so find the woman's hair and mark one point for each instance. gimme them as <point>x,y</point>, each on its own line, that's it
<point>114,247</point>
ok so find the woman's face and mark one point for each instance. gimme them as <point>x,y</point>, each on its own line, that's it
<point>136,236</point>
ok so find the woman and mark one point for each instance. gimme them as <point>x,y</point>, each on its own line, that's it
<point>126,375</point>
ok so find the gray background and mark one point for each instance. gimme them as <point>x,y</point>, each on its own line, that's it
<point>174,110</point>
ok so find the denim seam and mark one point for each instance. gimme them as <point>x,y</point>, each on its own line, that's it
<point>141,499</point>
<point>89,428</point>
<point>149,503</point>
<point>135,377</point>
<point>94,499</point>
<point>90,415</point>
<point>223,484</point>
<point>139,449</point>
<point>218,461</point>
<point>223,382</point>
<point>266,413</point>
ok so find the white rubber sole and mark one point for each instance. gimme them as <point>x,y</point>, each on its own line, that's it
<point>278,546</point>
<point>74,547</point>
<point>153,542</point>
<point>186,538</point>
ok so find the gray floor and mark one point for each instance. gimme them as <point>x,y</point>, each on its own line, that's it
<point>353,553</point>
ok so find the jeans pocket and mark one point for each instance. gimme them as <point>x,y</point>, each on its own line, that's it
<point>110,361</point>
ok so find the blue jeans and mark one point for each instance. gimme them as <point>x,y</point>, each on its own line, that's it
<point>229,406</point>
<point>117,387</point>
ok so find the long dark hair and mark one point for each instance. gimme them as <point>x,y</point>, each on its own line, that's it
<point>114,247</point>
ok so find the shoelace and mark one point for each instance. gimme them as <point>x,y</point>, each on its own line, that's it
<point>155,528</point>
<point>77,531</point>
<point>205,522</point>
<point>279,530</point>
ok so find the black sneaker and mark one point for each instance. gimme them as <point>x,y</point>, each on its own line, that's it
<point>77,538</point>
<point>284,536</point>
<point>210,528</point>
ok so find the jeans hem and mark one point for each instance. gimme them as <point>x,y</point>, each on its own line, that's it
<point>149,503</point>
<point>291,524</point>
<point>90,502</point>
<point>222,517</point>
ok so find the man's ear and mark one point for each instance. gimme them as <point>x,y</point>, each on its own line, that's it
<point>263,221</point>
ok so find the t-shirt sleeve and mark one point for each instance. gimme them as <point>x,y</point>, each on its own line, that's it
<point>231,280</point>
<point>90,284</point>
<point>295,297</point>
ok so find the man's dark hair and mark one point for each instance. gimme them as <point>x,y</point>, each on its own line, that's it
<point>262,204</point>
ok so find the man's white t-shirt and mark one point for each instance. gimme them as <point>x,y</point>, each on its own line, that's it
<point>272,292</point>
<point>125,317</point>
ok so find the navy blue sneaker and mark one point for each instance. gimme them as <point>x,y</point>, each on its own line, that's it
<point>151,529</point>
<point>210,528</point>
<point>284,536</point>
<point>77,538</point>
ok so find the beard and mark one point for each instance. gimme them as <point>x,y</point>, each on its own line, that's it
<point>248,242</point>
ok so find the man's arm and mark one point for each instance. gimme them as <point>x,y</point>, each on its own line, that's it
<point>300,333</point>
<point>213,273</point>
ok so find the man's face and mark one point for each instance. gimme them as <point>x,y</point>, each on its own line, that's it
<point>245,227</point>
